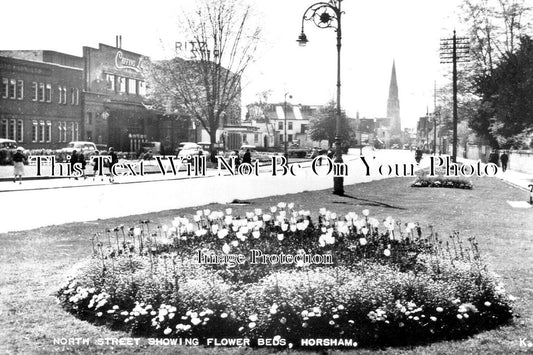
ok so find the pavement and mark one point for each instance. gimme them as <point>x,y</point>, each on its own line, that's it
<point>516,178</point>
<point>42,202</point>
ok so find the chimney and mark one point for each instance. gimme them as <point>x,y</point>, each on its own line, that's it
<point>120,41</point>
<point>116,41</point>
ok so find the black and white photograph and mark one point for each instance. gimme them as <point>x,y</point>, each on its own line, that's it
<point>262,177</point>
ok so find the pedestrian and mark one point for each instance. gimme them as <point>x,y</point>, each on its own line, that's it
<point>18,163</point>
<point>96,167</point>
<point>494,157</point>
<point>237,160</point>
<point>83,162</point>
<point>114,160</point>
<point>418,155</point>
<point>504,159</point>
<point>73,160</point>
<point>247,158</point>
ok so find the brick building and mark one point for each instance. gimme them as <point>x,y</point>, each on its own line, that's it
<point>40,103</point>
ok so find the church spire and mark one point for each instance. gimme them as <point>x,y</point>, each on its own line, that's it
<point>393,103</point>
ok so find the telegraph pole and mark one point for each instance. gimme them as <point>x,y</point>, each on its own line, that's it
<point>454,50</point>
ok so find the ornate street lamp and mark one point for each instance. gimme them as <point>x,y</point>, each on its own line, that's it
<point>328,15</point>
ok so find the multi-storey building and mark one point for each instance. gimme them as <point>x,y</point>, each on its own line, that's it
<point>40,103</point>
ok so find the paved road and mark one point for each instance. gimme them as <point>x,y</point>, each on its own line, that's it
<point>40,203</point>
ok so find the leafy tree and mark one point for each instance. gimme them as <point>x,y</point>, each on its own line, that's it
<point>506,93</point>
<point>323,127</point>
<point>207,88</point>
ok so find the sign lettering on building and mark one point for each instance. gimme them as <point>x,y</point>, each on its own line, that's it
<point>196,49</point>
<point>122,62</point>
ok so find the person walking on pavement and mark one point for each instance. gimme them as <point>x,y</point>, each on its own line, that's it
<point>73,160</point>
<point>494,157</point>
<point>83,162</point>
<point>114,160</point>
<point>504,160</point>
<point>96,167</point>
<point>247,158</point>
<point>18,163</point>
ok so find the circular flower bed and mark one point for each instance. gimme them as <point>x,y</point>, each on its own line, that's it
<point>281,276</point>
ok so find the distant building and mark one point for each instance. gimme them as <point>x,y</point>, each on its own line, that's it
<point>40,103</point>
<point>393,105</point>
<point>272,118</point>
<point>48,99</point>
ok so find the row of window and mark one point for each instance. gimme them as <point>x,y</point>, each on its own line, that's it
<point>256,138</point>
<point>125,85</point>
<point>41,92</point>
<point>12,129</point>
<point>41,130</point>
<point>280,125</point>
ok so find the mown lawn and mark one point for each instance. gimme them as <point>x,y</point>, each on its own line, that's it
<point>33,264</point>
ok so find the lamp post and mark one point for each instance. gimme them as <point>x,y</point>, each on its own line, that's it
<point>328,15</point>
<point>286,151</point>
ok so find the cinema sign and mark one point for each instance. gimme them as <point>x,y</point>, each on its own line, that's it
<point>123,62</point>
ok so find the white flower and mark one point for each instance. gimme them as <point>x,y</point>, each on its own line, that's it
<point>362,241</point>
<point>235,243</point>
<point>226,248</point>
<point>251,325</point>
<point>282,205</point>
<point>167,331</point>
<point>290,205</point>
<point>253,318</point>
<point>256,234</point>
<point>222,233</point>
<point>196,321</point>
<point>366,213</point>
<point>386,252</point>
<point>487,304</point>
<point>214,228</point>
<point>273,209</point>
<point>293,228</point>
<point>223,315</point>
<point>284,227</point>
<point>434,319</point>
<point>228,210</point>
<point>136,231</point>
<point>281,236</point>
<point>439,309</point>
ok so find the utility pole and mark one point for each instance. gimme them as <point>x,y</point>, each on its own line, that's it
<point>435,118</point>
<point>454,50</point>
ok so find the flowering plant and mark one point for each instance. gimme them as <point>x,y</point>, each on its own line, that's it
<point>388,283</point>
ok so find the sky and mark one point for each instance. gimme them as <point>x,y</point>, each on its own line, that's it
<point>374,34</point>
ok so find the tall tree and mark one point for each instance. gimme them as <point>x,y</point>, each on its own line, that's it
<point>323,127</point>
<point>223,40</point>
<point>508,96</point>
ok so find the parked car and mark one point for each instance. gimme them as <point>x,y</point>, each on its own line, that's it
<point>102,147</point>
<point>153,147</point>
<point>206,146</point>
<point>8,147</point>
<point>190,149</point>
<point>87,148</point>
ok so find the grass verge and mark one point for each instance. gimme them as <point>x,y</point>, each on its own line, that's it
<point>33,263</point>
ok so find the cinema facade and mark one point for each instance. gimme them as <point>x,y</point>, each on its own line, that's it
<point>48,99</point>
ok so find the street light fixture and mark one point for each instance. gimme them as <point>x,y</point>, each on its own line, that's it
<point>328,15</point>
<point>285,125</point>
